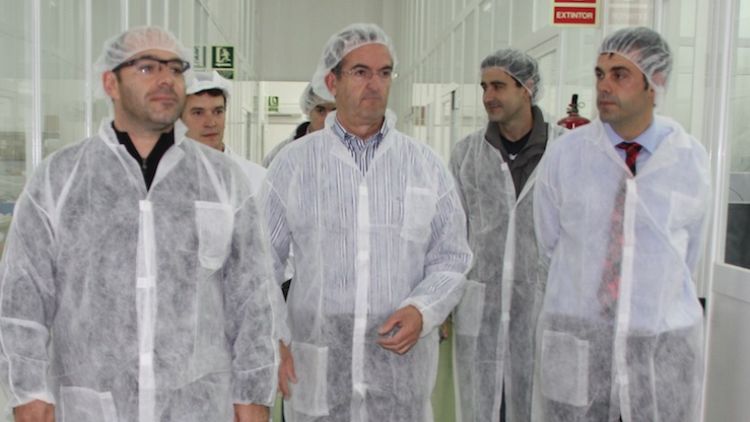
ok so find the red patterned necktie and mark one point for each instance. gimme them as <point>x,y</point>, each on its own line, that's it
<point>609,289</point>
<point>631,153</point>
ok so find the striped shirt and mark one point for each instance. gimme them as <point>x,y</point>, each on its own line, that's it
<point>362,150</point>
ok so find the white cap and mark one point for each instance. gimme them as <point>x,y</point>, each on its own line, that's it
<point>204,81</point>
<point>342,43</point>
<point>647,50</point>
<point>309,100</point>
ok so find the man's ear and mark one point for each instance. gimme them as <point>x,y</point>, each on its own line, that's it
<point>529,88</point>
<point>659,79</point>
<point>331,83</point>
<point>111,84</point>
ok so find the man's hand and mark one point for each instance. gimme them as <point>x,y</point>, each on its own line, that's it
<point>35,411</point>
<point>445,329</point>
<point>286,371</point>
<point>401,330</point>
<point>250,413</point>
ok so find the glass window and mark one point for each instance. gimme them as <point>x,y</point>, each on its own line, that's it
<point>485,29</point>
<point>63,74</point>
<point>473,113</point>
<point>107,23</point>
<point>15,106</point>
<point>737,251</point>
<point>681,35</point>
<point>542,14</point>
<point>547,60</point>
<point>578,60</point>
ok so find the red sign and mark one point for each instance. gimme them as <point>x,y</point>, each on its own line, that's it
<point>576,1</point>
<point>574,15</point>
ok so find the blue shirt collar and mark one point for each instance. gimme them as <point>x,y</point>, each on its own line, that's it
<point>649,139</point>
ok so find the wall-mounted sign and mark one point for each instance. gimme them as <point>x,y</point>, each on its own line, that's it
<point>273,103</point>
<point>199,57</point>
<point>222,59</point>
<point>575,13</point>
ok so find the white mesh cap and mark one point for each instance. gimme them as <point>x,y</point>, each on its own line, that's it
<point>646,49</point>
<point>520,66</point>
<point>309,99</point>
<point>120,48</point>
<point>204,81</point>
<point>342,43</point>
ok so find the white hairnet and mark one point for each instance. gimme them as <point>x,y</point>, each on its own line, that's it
<point>204,81</point>
<point>342,43</point>
<point>120,48</point>
<point>520,66</point>
<point>646,49</point>
<point>309,99</point>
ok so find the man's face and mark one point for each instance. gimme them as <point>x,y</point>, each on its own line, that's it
<point>147,94</point>
<point>622,95</point>
<point>503,99</point>
<point>318,116</point>
<point>205,117</point>
<point>360,99</point>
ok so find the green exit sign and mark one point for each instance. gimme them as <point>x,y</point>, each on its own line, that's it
<point>273,103</point>
<point>222,57</point>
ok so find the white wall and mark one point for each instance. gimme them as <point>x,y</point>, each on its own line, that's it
<point>280,125</point>
<point>293,32</point>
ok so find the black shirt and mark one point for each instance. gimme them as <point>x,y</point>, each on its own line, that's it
<point>523,155</point>
<point>513,148</point>
<point>301,130</point>
<point>150,163</point>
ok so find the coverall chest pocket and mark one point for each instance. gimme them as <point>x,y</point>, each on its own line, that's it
<point>419,209</point>
<point>79,404</point>
<point>214,222</point>
<point>565,368</point>
<point>309,395</point>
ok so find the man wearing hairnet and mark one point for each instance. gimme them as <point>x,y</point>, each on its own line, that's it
<point>380,249</point>
<point>205,117</point>
<point>316,109</point>
<point>620,207</point>
<point>132,277</point>
<point>495,170</point>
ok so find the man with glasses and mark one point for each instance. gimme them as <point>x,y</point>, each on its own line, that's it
<point>133,277</point>
<point>380,251</point>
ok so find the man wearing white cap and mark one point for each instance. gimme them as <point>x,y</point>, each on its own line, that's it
<point>620,207</point>
<point>133,276</point>
<point>495,168</point>
<point>380,251</point>
<point>316,109</point>
<point>205,117</point>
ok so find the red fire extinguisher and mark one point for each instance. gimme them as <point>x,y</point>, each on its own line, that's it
<point>574,119</point>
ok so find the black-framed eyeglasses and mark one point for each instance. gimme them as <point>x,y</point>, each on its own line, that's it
<point>150,65</point>
<point>363,73</point>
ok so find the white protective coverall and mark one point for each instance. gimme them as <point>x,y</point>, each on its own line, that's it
<point>275,151</point>
<point>122,304</point>
<point>644,360</point>
<point>494,322</point>
<point>255,172</point>
<point>365,245</point>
